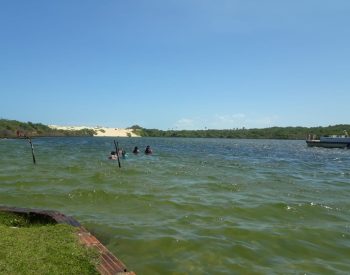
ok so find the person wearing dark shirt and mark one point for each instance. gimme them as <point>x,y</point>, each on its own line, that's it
<point>148,150</point>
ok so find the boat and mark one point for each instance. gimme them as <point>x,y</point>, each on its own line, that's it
<point>331,141</point>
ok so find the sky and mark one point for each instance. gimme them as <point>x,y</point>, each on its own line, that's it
<point>175,64</point>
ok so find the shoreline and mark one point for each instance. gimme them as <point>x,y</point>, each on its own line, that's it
<point>101,131</point>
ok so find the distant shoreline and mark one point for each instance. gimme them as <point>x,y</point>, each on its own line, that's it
<point>17,129</point>
<point>101,131</point>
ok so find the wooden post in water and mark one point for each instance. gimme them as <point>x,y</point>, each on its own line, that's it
<point>117,152</point>
<point>31,145</point>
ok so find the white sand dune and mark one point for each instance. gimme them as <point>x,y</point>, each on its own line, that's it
<point>101,131</point>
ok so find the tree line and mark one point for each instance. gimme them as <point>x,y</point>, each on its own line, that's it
<point>264,133</point>
<point>17,129</point>
<point>14,128</point>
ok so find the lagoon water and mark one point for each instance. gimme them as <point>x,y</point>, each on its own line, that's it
<point>196,206</point>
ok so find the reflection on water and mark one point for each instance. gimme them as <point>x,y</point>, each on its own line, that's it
<point>197,206</point>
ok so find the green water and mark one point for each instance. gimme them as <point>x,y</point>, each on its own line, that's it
<point>196,206</point>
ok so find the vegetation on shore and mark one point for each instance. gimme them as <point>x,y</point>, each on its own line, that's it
<point>265,133</point>
<point>41,247</point>
<point>14,128</point>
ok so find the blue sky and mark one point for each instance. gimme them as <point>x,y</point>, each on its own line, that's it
<point>176,64</point>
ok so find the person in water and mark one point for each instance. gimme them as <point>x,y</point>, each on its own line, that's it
<point>123,154</point>
<point>113,156</point>
<point>136,150</point>
<point>148,150</point>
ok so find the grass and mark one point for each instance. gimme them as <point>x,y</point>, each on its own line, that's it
<point>37,246</point>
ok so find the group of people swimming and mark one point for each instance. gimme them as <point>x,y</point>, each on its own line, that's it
<point>122,153</point>
<point>148,150</point>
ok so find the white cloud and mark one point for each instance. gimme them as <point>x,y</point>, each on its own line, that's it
<point>230,118</point>
<point>226,121</point>
<point>186,124</point>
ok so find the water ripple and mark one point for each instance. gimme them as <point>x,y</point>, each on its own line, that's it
<point>197,206</point>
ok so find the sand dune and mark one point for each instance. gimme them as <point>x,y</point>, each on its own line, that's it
<point>101,131</point>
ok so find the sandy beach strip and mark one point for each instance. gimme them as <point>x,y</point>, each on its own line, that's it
<point>101,131</point>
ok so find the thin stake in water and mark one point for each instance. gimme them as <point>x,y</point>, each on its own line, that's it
<point>31,145</point>
<point>117,152</point>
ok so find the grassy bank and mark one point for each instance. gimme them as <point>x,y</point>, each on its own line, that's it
<point>42,247</point>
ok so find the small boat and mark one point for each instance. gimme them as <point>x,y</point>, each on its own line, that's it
<point>332,141</point>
